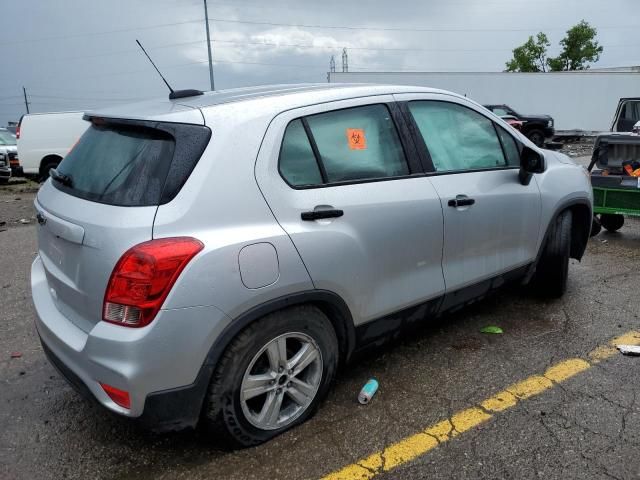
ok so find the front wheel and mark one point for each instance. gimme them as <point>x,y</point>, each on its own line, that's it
<point>272,376</point>
<point>552,270</point>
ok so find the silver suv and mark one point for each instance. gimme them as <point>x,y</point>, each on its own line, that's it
<point>215,258</point>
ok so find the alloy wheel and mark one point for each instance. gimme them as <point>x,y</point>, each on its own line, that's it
<point>281,381</point>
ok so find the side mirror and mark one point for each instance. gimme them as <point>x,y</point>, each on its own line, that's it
<point>530,162</point>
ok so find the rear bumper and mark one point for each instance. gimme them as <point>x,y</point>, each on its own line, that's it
<point>160,365</point>
<point>549,132</point>
<point>5,172</point>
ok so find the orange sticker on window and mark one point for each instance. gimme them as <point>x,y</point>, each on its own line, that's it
<point>356,139</point>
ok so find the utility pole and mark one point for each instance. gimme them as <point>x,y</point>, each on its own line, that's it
<point>345,60</point>
<point>206,22</point>
<point>26,103</point>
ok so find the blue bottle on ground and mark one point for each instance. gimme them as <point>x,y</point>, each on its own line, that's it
<point>368,391</point>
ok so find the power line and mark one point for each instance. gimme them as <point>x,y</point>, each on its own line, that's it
<point>300,25</point>
<point>105,32</point>
<point>401,29</point>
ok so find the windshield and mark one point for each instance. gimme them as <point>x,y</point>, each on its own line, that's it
<point>6,138</point>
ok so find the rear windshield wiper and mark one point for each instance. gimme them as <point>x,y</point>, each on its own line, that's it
<point>61,177</point>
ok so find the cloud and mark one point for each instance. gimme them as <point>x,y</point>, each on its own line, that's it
<point>73,54</point>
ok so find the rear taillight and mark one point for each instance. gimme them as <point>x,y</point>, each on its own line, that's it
<point>143,277</point>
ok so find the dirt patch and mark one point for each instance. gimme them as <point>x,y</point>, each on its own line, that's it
<point>16,203</point>
<point>578,148</point>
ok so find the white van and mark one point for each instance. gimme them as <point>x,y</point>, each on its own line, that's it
<point>45,138</point>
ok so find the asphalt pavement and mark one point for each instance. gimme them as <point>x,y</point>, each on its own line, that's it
<point>587,426</point>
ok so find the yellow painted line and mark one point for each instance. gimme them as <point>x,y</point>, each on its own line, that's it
<point>426,440</point>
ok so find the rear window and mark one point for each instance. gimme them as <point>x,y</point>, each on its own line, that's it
<point>131,165</point>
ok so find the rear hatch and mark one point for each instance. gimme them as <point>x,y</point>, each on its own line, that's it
<point>102,200</point>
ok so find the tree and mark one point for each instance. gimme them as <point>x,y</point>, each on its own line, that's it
<point>531,56</point>
<point>579,48</point>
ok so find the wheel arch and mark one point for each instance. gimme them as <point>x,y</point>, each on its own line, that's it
<point>47,159</point>
<point>331,304</point>
<point>582,213</point>
<point>180,408</point>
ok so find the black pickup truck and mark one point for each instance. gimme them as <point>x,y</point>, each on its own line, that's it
<point>536,127</point>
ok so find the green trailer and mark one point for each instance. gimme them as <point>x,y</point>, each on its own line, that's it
<point>616,194</point>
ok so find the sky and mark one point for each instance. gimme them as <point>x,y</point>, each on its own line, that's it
<point>81,54</point>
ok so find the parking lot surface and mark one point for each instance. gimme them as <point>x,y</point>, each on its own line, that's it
<point>584,426</point>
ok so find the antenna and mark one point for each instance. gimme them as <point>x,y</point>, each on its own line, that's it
<point>154,66</point>
<point>174,94</point>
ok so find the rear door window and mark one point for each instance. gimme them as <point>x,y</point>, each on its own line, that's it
<point>352,144</point>
<point>298,164</point>
<point>358,143</point>
<point>128,165</point>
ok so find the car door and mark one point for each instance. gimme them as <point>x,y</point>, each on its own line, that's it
<point>627,115</point>
<point>353,199</point>
<point>491,220</point>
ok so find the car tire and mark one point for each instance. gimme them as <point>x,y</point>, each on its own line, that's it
<point>234,414</point>
<point>4,181</point>
<point>612,222</point>
<point>552,270</point>
<point>536,136</point>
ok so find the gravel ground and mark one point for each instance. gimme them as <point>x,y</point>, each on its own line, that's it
<point>581,148</point>
<point>586,428</point>
<point>16,203</point>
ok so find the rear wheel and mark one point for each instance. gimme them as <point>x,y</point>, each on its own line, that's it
<point>612,221</point>
<point>537,137</point>
<point>272,376</point>
<point>553,267</point>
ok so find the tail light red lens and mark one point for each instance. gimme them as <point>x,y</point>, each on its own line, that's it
<point>143,277</point>
<point>120,397</point>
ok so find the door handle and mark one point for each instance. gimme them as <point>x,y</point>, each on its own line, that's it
<point>461,201</point>
<point>320,214</point>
